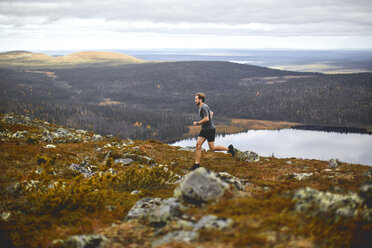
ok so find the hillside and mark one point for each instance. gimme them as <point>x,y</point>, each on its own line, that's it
<point>64,187</point>
<point>88,58</point>
<point>155,100</point>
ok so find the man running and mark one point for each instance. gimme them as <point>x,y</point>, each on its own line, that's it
<point>208,131</point>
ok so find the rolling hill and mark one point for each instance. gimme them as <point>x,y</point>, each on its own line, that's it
<point>155,100</point>
<point>87,58</point>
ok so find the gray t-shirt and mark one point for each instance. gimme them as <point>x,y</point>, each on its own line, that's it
<point>203,112</point>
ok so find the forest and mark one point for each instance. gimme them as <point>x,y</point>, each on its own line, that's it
<point>156,100</point>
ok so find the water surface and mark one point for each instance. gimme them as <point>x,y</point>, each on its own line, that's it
<point>286,143</point>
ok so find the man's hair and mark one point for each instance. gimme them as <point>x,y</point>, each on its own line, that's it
<point>200,96</point>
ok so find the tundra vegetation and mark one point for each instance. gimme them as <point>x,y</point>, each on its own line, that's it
<point>59,184</point>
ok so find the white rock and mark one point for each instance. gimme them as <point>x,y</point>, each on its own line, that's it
<point>49,146</point>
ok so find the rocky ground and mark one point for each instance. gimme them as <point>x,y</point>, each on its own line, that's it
<point>71,188</point>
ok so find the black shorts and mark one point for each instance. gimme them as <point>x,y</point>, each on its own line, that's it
<point>209,134</point>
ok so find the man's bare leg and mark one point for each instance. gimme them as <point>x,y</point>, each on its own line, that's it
<point>229,149</point>
<point>213,147</point>
<point>199,144</point>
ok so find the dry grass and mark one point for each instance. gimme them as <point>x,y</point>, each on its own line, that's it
<point>262,215</point>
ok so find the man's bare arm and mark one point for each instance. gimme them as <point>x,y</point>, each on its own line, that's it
<point>204,120</point>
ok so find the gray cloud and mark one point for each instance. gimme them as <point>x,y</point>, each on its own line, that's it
<point>280,18</point>
<point>206,11</point>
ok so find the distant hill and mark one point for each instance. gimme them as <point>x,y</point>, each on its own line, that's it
<point>88,58</point>
<point>155,100</point>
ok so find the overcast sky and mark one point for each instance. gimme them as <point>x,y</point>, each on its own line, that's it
<point>123,24</point>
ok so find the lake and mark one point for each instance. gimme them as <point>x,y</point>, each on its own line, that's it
<point>287,143</point>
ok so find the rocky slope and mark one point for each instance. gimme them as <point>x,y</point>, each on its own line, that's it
<point>71,188</point>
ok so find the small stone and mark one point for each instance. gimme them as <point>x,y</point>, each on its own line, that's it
<point>135,192</point>
<point>211,221</point>
<point>123,161</point>
<point>368,173</point>
<point>86,241</point>
<point>301,176</point>
<point>110,207</point>
<point>49,146</point>
<point>19,134</point>
<point>5,216</point>
<point>84,168</point>
<point>288,162</point>
<point>97,137</point>
<point>231,180</point>
<point>188,148</point>
<point>333,164</point>
<point>177,236</point>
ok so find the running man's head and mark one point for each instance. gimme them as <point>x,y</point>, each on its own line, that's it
<point>199,98</point>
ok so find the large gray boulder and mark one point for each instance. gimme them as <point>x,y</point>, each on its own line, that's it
<point>327,203</point>
<point>201,186</point>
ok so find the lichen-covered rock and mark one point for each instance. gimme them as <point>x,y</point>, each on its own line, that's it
<point>301,176</point>
<point>156,210</point>
<point>85,241</point>
<point>248,156</point>
<point>169,209</point>
<point>97,137</point>
<point>200,186</point>
<point>16,119</point>
<point>84,168</point>
<point>211,221</point>
<point>333,164</point>
<point>177,236</point>
<point>327,203</point>
<point>111,171</point>
<point>230,179</point>
<point>5,216</point>
<point>20,134</point>
<point>123,161</point>
<point>368,173</point>
<point>14,189</point>
<point>143,208</point>
<point>188,148</point>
